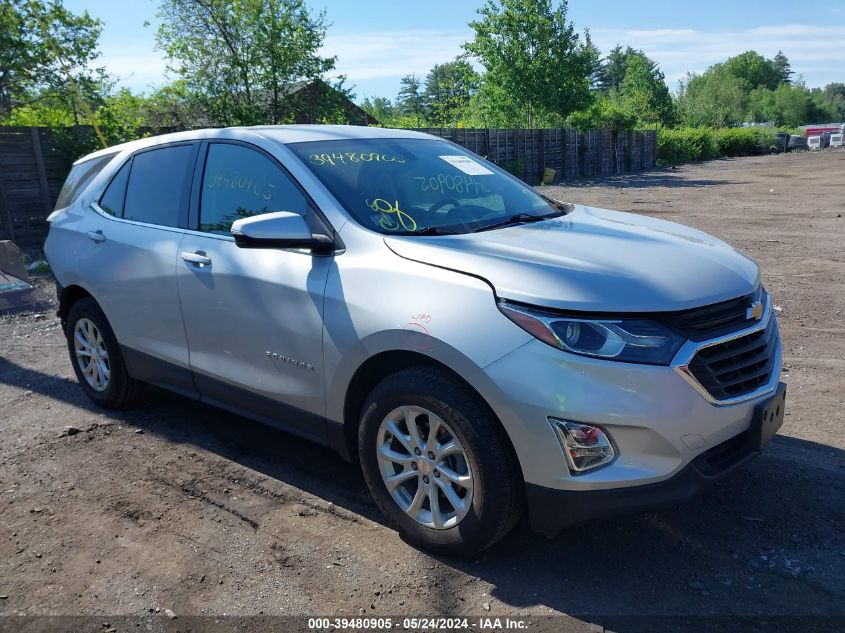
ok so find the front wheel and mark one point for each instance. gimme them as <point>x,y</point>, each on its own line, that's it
<point>438,463</point>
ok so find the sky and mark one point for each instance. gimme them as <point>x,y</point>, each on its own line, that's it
<point>379,41</point>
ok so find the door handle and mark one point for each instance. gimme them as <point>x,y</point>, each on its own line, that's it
<point>196,258</point>
<point>96,236</point>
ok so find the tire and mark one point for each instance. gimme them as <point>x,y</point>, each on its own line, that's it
<point>434,398</point>
<point>797,142</point>
<point>118,389</point>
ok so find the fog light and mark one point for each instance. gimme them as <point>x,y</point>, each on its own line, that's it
<point>586,447</point>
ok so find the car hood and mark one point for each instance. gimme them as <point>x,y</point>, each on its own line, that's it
<point>594,260</point>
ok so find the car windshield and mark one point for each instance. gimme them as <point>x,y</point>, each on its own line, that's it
<point>421,186</point>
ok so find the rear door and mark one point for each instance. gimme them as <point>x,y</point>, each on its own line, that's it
<point>253,316</point>
<point>134,233</point>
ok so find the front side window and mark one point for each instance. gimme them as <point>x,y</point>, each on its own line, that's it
<point>156,190</point>
<point>239,182</point>
<point>413,186</point>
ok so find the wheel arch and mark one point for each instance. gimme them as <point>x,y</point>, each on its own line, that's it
<point>69,295</point>
<point>378,367</point>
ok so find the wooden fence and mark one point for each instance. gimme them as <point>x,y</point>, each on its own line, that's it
<point>570,153</point>
<point>34,164</point>
<point>32,171</point>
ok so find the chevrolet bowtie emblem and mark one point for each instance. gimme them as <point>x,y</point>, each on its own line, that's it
<point>755,311</point>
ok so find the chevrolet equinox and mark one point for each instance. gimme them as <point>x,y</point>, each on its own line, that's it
<point>478,346</point>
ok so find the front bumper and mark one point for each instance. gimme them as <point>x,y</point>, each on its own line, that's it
<point>664,430</point>
<point>551,510</point>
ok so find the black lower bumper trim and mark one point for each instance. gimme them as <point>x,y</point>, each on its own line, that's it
<point>551,510</point>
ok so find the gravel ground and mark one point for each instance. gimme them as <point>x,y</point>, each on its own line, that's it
<point>173,505</point>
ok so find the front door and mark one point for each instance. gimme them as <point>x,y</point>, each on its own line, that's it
<point>253,317</point>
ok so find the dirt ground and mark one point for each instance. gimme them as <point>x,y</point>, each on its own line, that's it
<point>176,506</point>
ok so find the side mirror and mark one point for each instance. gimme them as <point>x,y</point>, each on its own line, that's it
<point>281,229</point>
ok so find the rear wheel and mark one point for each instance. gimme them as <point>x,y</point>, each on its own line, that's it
<point>96,356</point>
<point>438,463</point>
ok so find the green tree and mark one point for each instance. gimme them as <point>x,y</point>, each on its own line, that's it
<point>834,91</point>
<point>762,107</point>
<point>175,106</point>
<point>594,54</point>
<point>831,100</point>
<point>644,92</point>
<point>411,99</point>
<point>603,113</point>
<point>792,104</point>
<point>754,70</point>
<point>243,59</point>
<point>493,106</point>
<point>536,66</point>
<point>379,108</point>
<point>782,67</point>
<point>117,118</point>
<point>749,87</point>
<point>46,53</point>
<point>820,109</point>
<point>47,112</point>
<point>448,90</point>
<point>612,69</point>
<point>120,115</point>
<point>715,98</point>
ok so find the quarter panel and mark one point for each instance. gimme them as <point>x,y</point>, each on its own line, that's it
<point>65,244</point>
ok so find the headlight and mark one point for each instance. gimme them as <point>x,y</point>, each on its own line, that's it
<point>623,339</point>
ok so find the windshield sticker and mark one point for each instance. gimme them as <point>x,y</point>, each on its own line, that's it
<point>345,158</point>
<point>446,182</point>
<point>387,221</point>
<point>467,165</point>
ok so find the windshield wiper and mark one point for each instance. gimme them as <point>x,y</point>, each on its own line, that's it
<point>519,218</point>
<point>429,230</point>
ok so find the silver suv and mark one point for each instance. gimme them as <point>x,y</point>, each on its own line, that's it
<point>478,346</point>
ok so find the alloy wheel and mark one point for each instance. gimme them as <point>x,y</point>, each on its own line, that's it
<point>424,467</point>
<point>91,354</point>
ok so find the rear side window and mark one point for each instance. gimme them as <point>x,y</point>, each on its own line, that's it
<point>238,183</point>
<point>156,192</point>
<point>115,194</point>
<point>79,178</point>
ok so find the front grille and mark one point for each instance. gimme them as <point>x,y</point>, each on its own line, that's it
<point>714,320</point>
<point>738,366</point>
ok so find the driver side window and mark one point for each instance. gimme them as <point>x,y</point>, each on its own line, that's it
<point>239,182</point>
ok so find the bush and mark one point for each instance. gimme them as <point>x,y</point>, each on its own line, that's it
<point>602,114</point>
<point>746,141</point>
<point>684,145</point>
